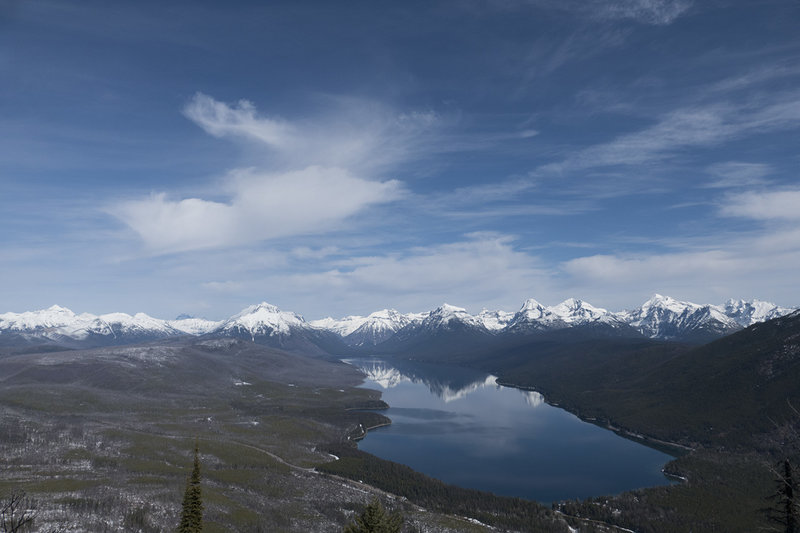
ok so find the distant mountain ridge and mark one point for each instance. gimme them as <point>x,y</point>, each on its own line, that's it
<point>388,330</point>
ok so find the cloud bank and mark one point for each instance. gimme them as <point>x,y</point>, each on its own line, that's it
<point>314,182</point>
<point>263,206</point>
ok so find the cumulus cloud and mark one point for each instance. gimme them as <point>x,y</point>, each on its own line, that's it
<point>262,206</point>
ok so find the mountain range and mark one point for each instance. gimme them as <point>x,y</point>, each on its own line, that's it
<point>388,331</point>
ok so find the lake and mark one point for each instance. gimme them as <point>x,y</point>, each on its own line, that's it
<point>458,425</point>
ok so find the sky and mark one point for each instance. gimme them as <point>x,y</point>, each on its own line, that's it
<point>337,158</point>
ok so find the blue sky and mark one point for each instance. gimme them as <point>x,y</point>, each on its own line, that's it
<point>340,157</point>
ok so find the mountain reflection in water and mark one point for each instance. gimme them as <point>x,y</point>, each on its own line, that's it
<point>445,382</point>
<point>460,426</point>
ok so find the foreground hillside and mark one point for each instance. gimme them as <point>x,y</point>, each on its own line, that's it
<point>102,438</point>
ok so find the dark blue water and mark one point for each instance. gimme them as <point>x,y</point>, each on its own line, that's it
<point>459,426</point>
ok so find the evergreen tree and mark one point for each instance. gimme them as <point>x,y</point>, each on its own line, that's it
<point>192,512</point>
<point>375,519</point>
<point>787,514</point>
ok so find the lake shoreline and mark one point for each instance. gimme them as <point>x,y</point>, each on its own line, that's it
<point>671,448</point>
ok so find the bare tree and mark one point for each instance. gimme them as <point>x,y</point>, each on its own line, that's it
<point>16,513</point>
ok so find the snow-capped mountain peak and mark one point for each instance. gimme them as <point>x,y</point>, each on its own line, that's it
<point>369,330</point>
<point>194,326</point>
<point>532,316</point>
<point>378,327</point>
<point>343,326</point>
<point>659,317</point>
<point>667,318</point>
<point>532,307</point>
<point>494,320</point>
<point>668,304</point>
<point>578,311</point>
<point>264,319</point>
<point>445,315</point>
<point>747,313</point>
<point>262,309</point>
<point>61,325</point>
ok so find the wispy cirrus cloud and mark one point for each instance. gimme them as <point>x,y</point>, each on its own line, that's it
<point>656,12</point>
<point>352,133</point>
<point>688,127</point>
<point>738,174</point>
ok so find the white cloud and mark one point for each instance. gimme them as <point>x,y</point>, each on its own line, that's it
<point>262,206</point>
<point>664,267</point>
<point>314,179</point>
<point>757,264</point>
<point>485,269</point>
<point>305,252</point>
<point>223,286</point>
<point>220,119</point>
<point>773,205</point>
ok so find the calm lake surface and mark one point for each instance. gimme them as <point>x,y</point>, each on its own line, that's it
<point>459,426</point>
